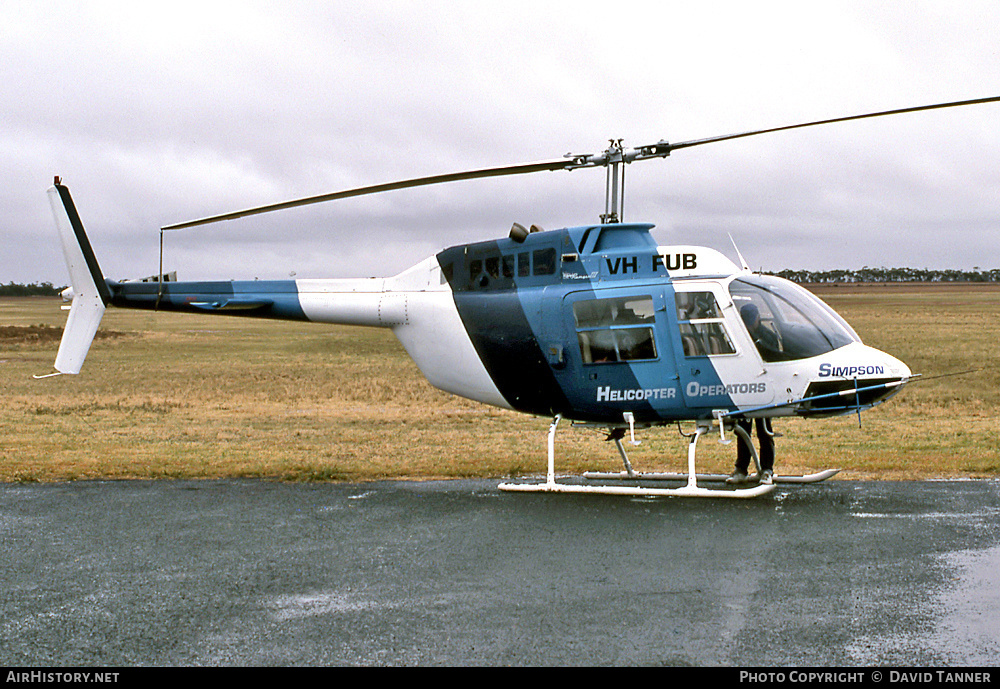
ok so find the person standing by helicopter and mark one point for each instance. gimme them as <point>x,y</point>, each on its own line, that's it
<point>767,344</point>
<point>743,455</point>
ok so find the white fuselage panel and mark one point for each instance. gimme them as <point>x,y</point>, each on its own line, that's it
<point>421,312</point>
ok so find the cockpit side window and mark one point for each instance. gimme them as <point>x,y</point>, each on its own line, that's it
<point>702,328</point>
<point>785,321</point>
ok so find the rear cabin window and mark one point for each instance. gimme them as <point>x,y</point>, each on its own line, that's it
<point>493,266</point>
<point>702,329</point>
<point>509,262</point>
<point>544,262</point>
<point>484,271</point>
<point>613,330</point>
<point>523,264</point>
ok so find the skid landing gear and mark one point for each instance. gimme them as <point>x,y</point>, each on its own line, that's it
<point>709,478</point>
<point>630,474</point>
<point>690,490</point>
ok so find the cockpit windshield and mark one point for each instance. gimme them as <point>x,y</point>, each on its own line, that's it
<point>785,321</point>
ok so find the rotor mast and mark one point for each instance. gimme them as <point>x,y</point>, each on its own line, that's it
<point>614,188</point>
<point>615,157</point>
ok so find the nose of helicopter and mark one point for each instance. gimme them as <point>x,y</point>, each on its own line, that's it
<point>852,377</point>
<point>895,366</point>
<point>883,364</point>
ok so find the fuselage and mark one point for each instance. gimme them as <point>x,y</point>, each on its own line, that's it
<point>590,323</point>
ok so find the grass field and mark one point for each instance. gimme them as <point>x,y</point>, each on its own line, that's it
<point>188,396</point>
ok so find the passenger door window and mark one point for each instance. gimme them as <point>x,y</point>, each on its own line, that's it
<point>616,329</point>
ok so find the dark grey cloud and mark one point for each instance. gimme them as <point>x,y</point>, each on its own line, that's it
<point>155,115</point>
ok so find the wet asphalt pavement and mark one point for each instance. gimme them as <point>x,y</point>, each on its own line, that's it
<point>184,573</point>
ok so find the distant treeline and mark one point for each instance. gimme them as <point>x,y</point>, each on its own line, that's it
<point>891,275</point>
<point>35,289</point>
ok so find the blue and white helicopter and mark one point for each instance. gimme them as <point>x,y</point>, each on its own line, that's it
<point>595,325</point>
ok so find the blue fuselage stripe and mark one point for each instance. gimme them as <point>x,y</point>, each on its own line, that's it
<point>248,298</point>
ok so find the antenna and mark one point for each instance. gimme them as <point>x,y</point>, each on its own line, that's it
<point>743,261</point>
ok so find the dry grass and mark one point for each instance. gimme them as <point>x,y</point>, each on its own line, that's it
<point>190,396</point>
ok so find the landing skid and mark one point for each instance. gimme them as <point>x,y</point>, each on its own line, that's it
<point>707,478</point>
<point>690,490</point>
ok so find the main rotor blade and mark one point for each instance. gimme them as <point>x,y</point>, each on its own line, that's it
<point>611,156</point>
<point>378,188</point>
<point>900,111</point>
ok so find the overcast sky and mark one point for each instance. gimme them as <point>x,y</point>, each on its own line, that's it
<point>159,113</point>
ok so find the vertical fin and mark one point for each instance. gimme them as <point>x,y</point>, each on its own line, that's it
<point>90,291</point>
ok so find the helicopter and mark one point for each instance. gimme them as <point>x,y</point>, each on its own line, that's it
<point>597,325</point>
